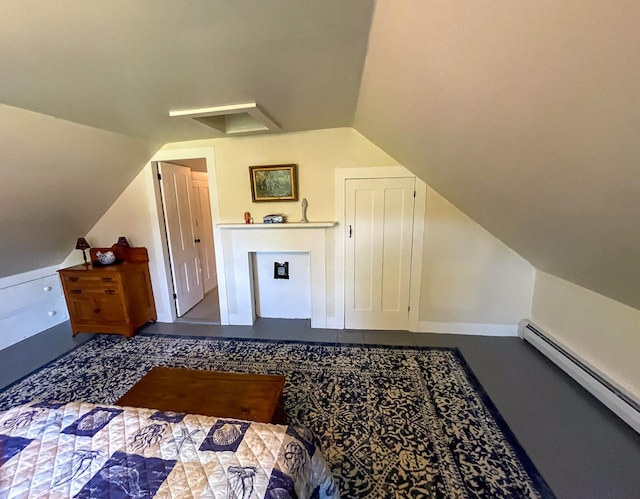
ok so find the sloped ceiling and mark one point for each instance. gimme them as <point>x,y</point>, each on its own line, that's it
<point>525,115</point>
<point>58,178</point>
<point>122,65</point>
<point>112,71</point>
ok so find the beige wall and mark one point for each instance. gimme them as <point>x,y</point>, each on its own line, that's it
<point>471,282</point>
<point>317,154</point>
<point>469,276</point>
<point>134,216</point>
<point>602,332</point>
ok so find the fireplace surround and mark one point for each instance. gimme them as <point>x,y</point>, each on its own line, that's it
<point>240,241</point>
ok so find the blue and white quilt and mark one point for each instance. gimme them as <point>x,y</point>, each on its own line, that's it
<point>99,451</point>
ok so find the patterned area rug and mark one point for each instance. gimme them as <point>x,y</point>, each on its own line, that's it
<point>393,421</point>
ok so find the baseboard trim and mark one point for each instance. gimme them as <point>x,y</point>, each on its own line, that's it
<point>467,328</point>
<point>610,393</point>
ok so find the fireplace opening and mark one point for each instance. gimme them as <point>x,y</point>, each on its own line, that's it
<point>282,284</point>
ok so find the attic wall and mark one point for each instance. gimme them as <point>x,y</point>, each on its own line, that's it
<point>134,215</point>
<point>523,115</point>
<point>455,297</point>
<point>602,332</point>
<point>471,281</point>
<point>58,179</point>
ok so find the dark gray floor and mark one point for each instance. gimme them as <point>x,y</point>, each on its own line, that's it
<point>206,311</point>
<point>22,358</point>
<point>580,447</point>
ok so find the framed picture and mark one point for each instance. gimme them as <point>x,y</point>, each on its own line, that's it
<point>274,183</point>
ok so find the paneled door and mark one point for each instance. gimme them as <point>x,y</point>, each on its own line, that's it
<point>203,228</point>
<point>183,251</point>
<point>379,225</point>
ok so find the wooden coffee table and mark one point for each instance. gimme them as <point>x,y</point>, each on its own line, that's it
<point>254,397</point>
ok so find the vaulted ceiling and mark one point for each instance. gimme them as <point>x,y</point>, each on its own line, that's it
<point>523,114</point>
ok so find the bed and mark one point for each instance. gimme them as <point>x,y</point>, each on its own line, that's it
<point>86,450</point>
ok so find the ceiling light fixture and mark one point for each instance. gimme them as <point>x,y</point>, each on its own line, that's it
<point>231,119</point>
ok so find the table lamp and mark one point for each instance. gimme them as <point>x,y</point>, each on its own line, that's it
<point>82,244</point>
<point>122,241</point>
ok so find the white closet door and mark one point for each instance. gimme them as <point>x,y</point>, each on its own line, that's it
<point>379,225</point>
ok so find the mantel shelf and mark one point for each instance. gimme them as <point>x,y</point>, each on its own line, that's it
<point>292,225</point>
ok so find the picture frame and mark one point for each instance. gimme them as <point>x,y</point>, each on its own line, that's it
<point>274,183</point>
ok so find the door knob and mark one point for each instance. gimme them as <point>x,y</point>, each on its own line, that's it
<point>197,240</point>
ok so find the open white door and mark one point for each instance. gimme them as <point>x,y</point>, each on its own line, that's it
<point>204,230</point>
<point>183,251</point>
<point>379,225</point>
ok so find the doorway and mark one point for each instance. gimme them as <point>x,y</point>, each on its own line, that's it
<point>186,209</point>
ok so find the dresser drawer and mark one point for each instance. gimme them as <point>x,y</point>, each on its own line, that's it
<point>81,280</point>
<point>107,290</point>
<point>96,309</point>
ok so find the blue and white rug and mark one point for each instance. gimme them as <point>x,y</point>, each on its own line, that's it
<point>393,421</point>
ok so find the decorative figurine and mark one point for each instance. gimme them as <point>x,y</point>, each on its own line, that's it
<point>304,211</point>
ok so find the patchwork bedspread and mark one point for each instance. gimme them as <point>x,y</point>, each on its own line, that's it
<point>85,450</point>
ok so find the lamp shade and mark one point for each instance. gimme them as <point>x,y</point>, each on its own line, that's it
<point>82,244</point>
<point>122,241</point>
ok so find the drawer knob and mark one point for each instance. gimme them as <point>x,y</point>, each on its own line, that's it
<point>73,279</point>
<point>47,288</point>
<point>96,310</point>
<point>107,279</point>
<point>109,291</point>
<point>52,313</point>
<point>76,291</point>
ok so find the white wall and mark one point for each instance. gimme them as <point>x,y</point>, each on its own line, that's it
<point>471,282</point>
<point>602,332</point>
<point>134,216</point>
<point>317,153</point>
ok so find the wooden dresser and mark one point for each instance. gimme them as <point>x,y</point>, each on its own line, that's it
<point>110,298</point>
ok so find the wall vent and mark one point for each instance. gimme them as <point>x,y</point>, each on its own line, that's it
<point>231,119</point>
<point>614,397</point>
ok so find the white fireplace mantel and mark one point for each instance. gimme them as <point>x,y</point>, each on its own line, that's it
<point>288,225</point>
<point>239,241</point>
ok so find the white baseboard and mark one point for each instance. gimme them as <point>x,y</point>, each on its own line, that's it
<point>466,328</point>
<point>610,393</point>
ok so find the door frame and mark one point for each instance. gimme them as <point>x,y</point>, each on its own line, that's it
<point>193,153</point>
<point>341,175</point>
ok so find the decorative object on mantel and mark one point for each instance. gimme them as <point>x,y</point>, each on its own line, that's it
<point>274,219</point>
<point>274,183</point>
<point>122,241</point>
<point>82,244</point>
<point>247,217</point>
<point>304,220</point>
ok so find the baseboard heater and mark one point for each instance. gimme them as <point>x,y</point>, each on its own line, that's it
<point>621,403</point>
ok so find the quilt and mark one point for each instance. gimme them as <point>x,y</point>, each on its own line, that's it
<point>88,450</point>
